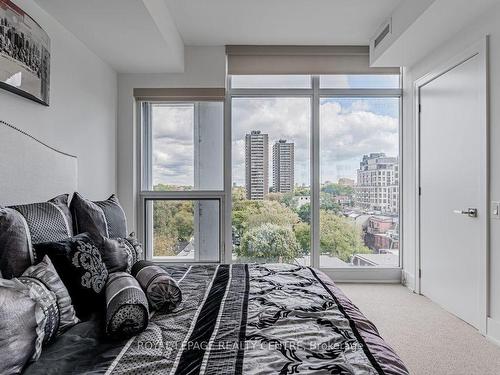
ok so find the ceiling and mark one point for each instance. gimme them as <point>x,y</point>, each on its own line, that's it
<point>219,22</point>
<point>149,35</point>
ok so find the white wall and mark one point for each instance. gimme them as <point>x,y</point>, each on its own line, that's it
<point>486,24</point>
<point>81,119</point>
<point>205,67</point>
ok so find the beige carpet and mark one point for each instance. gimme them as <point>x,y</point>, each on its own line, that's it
<point>427,338</point>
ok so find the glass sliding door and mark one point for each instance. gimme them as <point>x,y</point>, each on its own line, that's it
<point>359,182</point>
<point>271,196</point>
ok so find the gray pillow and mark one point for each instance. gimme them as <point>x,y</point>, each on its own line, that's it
<point>47,221</point>
<point>127,310</point>
<point>99,218</point>
<point>15,253</point>
<point>120,254</point>
<point>161,289</point>
<point>22,326</point>
<point>47,274</point>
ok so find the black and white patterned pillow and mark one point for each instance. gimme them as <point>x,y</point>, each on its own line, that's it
<point>99,218</point>
<point>127,311</point>
<point>46,221</point>
<point>78,262</point>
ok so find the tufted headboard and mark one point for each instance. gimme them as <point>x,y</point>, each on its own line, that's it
<point>30,170</point>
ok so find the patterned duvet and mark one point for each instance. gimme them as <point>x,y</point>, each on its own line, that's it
<point>251,319</point>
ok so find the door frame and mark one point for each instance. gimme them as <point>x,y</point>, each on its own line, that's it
<point>479,49</point>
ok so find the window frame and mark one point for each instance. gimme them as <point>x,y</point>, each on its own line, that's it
<point>147,194</point>
<point>315,93</point>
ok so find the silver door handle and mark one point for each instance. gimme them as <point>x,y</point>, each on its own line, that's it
<point>471,212</point>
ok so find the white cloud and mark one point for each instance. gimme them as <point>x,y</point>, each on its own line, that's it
<point>347,133</point>
<point>173,151</point>
<point>349,129</point>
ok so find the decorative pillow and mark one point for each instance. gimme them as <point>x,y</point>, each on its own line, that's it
<point>22,326</point>
<point>134,250</point>
<point>47,274</point>
<point>15,252</point>
<point>48,302</point>
<point>161,289</point>
<point>120,254</point>
<point>102,218</point>
<point>115,254</point>
<point>46,221</point>
<point>127,311</point>
<point>78,262</point>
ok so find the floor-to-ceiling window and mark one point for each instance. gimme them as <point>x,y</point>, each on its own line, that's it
<point>271,178</point>
<point>354,143</point>
<point>293,168</point>
<point>359,171</point>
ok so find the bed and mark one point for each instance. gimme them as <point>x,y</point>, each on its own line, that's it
<point>233,319</point>
<point>251,319</point>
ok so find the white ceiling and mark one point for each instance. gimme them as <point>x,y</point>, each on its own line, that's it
<point>219,22</point>
<point>149,35</point>
<point>133,36</point>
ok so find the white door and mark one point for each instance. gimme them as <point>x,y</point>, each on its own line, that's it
<point>452,180</point>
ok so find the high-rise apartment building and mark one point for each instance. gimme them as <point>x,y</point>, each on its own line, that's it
<point>256,165</point>
<point>283,166</point>
<point>377,185</point>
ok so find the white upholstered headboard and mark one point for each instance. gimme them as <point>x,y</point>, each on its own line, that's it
<point>30,170</point>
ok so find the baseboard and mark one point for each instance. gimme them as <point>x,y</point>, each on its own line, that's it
<point>493,331</point>
<point>364,275</point>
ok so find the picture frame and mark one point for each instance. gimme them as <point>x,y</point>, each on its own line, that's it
<point>24,54</point>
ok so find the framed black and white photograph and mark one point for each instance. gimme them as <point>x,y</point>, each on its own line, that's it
<point>24,54</point>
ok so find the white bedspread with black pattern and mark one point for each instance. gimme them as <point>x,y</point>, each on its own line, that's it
<point>250,319</point>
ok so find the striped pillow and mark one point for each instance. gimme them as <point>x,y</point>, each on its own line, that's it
<point>161,289</point>
<point>22,327</point>
<point>23,226</point>
<point>127,311</point>
<point>47,274</point>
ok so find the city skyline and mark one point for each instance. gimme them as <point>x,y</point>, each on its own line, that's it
<point>350,127</point>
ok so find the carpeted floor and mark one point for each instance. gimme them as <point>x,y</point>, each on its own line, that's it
<point>428,339</point>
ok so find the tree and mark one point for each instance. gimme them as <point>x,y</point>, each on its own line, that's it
<point>302,190</point>
<point>304,213</point>
<point>269,242</point>
<point>339,237</point>
<point>303,235</point>
<point>238,194</point>
<point>277,197</point>
<point>275,213</point>
<point>289,200</point>
<point>173,222</point>
<point>336,189</point>
<point>251,213</point>
<point>327,203</point>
